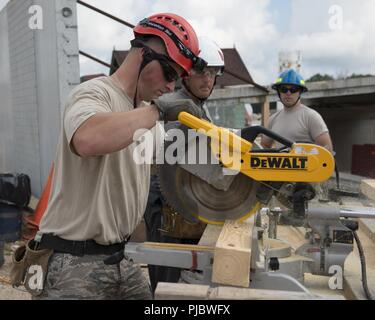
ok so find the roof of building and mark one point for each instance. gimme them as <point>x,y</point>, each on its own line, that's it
<point>235,72</point>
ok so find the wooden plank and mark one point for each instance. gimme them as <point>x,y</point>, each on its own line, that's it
<point>319,285</point>
<point>229,293</point>
<point>295,236</point>
<point>232,254</point>
<point>265,113</point>
<point>210,235</point>
<point>366,225</point>
<point>353,289</point>
<point>177,246</point>
<point>181,291</point>
<point>368,188</point>
<point>352,270</point>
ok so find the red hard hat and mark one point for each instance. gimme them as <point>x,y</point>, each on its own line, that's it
<point>178,35</point>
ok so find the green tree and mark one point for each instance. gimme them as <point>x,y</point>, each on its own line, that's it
<point>354,76</point>
<point>320,77</point>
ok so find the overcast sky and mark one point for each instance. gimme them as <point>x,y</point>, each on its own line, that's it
<point>259,29</point>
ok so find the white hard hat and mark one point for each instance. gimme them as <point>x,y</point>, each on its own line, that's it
<point>211,53</point>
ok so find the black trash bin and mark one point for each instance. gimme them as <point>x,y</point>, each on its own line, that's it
<point>10,222</point>
<point>10,226</point>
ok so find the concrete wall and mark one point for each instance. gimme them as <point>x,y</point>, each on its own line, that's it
<point>43,66</point>
<point>347,132</point>
<point>6,117</point>
<point>26,154</point>
<point>57,63</point>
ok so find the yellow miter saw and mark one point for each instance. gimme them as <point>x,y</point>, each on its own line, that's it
<point>236,175</point>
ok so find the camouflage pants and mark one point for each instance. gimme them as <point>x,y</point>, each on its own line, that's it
<point>88,278</point>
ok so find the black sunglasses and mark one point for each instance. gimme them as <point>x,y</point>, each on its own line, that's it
<point>170,74</point>
<point>293,89</point>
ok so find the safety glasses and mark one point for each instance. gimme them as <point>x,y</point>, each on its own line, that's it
<point>293,89</point>
<point>170,74</point>
<point>207,72</point>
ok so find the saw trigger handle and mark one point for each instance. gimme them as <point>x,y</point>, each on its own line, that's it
<point>251,133</point>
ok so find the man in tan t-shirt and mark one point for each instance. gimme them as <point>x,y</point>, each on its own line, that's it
<point>295,121</point>
<point>99,193</point>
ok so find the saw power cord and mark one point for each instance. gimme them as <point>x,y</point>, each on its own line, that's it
<point>363,266</point>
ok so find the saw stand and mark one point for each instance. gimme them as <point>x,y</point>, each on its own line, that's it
<point>329,241</point>
<point>274,265</point>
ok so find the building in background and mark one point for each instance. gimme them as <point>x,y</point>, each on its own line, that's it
<point>235,74</point>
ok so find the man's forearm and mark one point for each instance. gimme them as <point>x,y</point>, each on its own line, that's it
<point>325,141</point>
<point>106,133</point>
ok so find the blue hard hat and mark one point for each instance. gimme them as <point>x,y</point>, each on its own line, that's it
<point>290,77</point>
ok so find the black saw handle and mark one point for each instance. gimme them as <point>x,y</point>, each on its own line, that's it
<point>251,133</point>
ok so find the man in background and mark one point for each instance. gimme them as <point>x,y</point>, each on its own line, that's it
<point>296,121</point>
<point>162,223</point>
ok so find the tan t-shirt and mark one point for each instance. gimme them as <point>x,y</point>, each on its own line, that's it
<point>300,124</point>
<point>103,197</point>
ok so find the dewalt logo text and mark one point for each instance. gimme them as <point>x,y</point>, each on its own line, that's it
<point>292,163</point>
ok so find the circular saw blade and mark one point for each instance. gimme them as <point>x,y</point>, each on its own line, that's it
<point>195,198</point>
